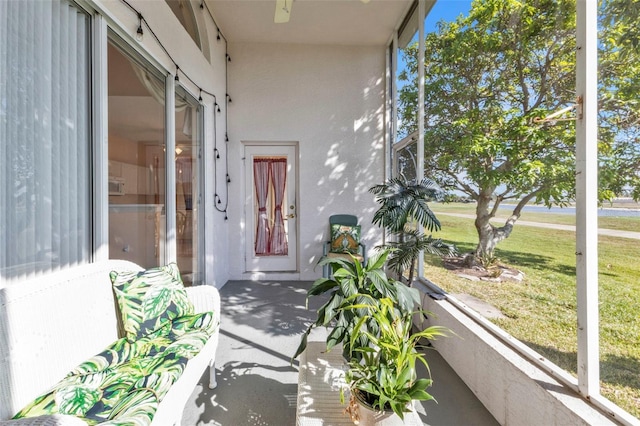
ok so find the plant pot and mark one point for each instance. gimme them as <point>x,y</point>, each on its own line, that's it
<point>365,415</point>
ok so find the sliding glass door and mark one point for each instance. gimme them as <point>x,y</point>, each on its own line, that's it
<point>189,206</point>
<point>137,188</point>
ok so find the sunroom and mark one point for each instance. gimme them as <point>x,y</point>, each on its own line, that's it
<point>222,135</point>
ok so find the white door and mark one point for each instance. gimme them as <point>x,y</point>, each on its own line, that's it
<point>270,209</point>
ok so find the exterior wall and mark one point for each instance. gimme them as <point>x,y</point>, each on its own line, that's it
<point>329,99</point>
<point>210,77</point>
<point>513,390</point>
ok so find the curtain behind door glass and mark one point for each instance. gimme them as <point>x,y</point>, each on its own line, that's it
<point>44,137</point>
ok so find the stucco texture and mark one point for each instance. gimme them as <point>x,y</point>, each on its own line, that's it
<point>331,101</point>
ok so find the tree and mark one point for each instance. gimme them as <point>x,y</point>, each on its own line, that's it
<point>487,77</point>
<point>619,98</point>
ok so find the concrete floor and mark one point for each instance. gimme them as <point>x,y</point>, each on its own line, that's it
<point>257,384</point>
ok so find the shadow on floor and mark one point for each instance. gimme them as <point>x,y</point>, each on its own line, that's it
<point>262,323</point>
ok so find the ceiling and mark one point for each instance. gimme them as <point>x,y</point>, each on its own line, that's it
<point>334,22</point>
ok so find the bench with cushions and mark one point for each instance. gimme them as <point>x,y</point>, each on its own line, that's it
<point>105,343</point>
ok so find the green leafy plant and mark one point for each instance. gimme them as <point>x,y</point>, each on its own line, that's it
<point>371,315</point>
<point>402,204</point>
<point>384,376</point>
<point>352,283</point>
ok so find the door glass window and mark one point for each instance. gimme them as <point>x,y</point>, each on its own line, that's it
<point>137,222</point>
<point>270,181</point>
<point>45,128</point>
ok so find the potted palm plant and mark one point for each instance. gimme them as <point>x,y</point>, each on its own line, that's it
<point>402,205</point>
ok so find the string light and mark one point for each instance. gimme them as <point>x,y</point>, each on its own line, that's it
<point>220,36</point>
<point>139,32</point>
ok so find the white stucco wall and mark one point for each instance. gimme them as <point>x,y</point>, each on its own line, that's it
<point>208,76</point>
<point>329,99</point>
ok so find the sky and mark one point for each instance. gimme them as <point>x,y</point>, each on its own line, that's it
<point>447,10</point>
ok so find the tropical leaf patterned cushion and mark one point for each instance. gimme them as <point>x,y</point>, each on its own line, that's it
<point>149,299</point>
<point>345,239</point>
<point>124,384</point>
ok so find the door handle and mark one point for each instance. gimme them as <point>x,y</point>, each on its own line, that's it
<point>290,216</point>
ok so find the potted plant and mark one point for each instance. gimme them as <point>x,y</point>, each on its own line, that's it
<point>383,380</point>
<point>371,314</point>
<point>401,204</point>
<point>353,283</point>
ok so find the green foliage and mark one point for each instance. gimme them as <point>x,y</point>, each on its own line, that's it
<point>405,252</point>
<point>371,316</point>
<point>352,283</point>
<point>489,74</point>
<point>400,203</point>
<point>619,98</point>
<point>385,373</point>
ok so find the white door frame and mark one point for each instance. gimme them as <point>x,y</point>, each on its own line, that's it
<point>290,211</point>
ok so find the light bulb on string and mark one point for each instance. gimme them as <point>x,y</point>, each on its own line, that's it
<point>139,31</point>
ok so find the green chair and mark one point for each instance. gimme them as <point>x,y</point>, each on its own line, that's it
<point>344,242</point>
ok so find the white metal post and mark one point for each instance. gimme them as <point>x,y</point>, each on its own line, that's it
<point>587,197</point>
<point>171,254</point>
<point>421,117</point>
<point>393,170</point>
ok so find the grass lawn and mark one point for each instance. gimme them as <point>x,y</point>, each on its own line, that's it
<point>621,223</point>
<point>541,310</point>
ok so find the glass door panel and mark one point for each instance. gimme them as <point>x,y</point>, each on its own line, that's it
<point>137,223</point>
<point>188,188</point>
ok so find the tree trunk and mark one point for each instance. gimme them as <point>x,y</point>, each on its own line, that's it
<point>489,235</point>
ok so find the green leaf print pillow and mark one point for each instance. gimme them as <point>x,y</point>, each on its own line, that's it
<point>150,299</point>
